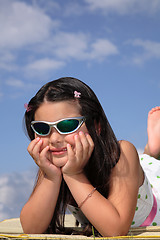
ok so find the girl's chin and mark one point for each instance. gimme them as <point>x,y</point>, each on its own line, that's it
<point>59,162</point>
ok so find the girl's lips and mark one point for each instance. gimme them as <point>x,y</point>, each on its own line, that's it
<point>58,151</point>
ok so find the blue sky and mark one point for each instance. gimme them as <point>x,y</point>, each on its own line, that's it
<point>112,45</point>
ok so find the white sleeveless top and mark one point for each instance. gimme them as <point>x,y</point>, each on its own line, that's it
<point>147,211</point>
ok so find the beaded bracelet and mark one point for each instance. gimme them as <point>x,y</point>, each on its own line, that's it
<point>89,195</point>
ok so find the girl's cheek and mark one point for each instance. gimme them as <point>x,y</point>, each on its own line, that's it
<point>70,139</point>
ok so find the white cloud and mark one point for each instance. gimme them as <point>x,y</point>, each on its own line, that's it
<point>31,42</point>
<point>45,64</point>
<point>15,189</point>
<point>10,66</point>
<point>150,47</point>
<point>7,60</point>
<point>15,83</point>
<point>22,24</point>
<point>74,9</point>
<point>67,46</point>
<point>124,7</point>
<point>70,45</point>
<point>6,56</point>
<point>49,6</point>
<point>148,50</point>
<point>103,48</point>
<point>81,46</point>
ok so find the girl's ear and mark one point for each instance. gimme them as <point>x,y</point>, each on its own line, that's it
<point>98,128</point>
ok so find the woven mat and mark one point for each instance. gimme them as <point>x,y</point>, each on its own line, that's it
<point>11,229</point>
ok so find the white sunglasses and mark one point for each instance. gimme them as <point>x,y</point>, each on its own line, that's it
<point>63,126</point>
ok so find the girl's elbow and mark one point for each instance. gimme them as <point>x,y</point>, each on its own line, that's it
<point>115,231</point>
<point>28,226</point>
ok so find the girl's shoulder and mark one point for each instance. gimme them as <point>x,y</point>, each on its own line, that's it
<point>128,151</point>
<point>127,171</point>
<point>125,145</point>
<point>129,159</point>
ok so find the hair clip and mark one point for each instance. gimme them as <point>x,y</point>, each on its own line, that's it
<point>27,107</point>
<point>77,94</point>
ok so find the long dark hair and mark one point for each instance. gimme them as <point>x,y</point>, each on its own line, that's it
<point>106,151</point>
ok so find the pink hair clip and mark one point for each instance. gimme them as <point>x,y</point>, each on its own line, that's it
<point>27,107</point>
<point>77,94</point>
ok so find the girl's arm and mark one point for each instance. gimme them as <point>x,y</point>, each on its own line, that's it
<point>37,213</point>
<point>112,216</point>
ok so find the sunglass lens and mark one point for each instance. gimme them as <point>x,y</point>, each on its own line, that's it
<point>68,125</point>
<point>41,128</point>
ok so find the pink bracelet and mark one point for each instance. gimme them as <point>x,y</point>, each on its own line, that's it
<point>89,195</point>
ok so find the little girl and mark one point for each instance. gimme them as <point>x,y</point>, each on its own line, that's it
<point>82,166</point>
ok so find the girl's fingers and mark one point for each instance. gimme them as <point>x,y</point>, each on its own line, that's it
<point>91,144</point>
<point>71,154</point>
<point>43,160</point>
<point>78,147</point>
<point>70,151</point>
<point>79,156</point>
<point>32,144</point>
<point>37,148</point>
<point>44,151</point>
<point>34,149</point>
<point>87,144</point>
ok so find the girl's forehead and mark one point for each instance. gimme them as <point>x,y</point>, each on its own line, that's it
<point>57,110</point>
<point>70,104</point>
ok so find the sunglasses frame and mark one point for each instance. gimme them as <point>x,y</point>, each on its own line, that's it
<point>81,120</point>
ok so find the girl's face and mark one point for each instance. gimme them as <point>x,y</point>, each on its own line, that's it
<point>52,112</point>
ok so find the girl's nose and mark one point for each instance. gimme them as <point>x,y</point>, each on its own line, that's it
<point>55,136</point>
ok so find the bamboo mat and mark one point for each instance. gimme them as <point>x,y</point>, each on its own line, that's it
<point>11,229</point>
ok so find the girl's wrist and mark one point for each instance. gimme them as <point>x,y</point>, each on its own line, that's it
<point>55,179</point>
<point>76,176</point>
<point>73,174</point>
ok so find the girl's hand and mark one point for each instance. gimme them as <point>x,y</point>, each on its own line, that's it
<point>79,156</point>
<point>41,157</point>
